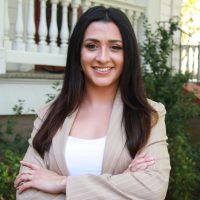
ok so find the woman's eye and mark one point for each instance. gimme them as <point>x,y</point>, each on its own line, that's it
<point>116,47</point>
<point>91,46</point>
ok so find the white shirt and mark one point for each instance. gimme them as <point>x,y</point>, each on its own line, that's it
<point>84,156</point>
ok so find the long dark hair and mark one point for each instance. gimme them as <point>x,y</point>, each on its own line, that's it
<point>137,113</point>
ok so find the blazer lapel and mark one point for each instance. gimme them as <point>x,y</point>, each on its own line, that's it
<point>59,142</point>
<point>116,138</point>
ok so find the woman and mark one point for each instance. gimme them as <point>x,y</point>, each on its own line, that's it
<point>101,138</point>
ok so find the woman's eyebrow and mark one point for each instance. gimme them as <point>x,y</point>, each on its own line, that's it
<point>96,40</point>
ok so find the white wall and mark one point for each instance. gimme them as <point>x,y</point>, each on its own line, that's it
<point>163,10</point>
<point>33,91</point>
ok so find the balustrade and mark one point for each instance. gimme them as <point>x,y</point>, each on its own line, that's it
<point>64,33</point>
<point>7,41</point>
<point>190,60</point>
<point>75,5</point>
<point>30,45</point>
<point>19,28</point>
<point>53,30</point>
<point>50,47</point>
<point>43,27</point>
<point>2,51</point>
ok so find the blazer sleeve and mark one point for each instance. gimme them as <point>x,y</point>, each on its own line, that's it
<point>150,184</point>
<point>32,156</point>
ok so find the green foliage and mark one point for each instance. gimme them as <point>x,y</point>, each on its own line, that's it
<point>56,87</point>
<point>18,108</point>
<point>164,87</point>
<point>11,152</point>
<point>9,166</point>
<point>157,48</point>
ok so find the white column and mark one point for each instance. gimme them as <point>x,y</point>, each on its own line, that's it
<point>136,17</point>
<point>19,28</point>
<point>2,49</point>
<point>85,5</point>
<point>30,44</point>
<point>6,26</point>
<point>140,28</point>
<point>53,29</point>
<point>64,32</point>
<point>2,17</point>
<point>42,47</point>
<point>198,65</point>
<point>75,4</point>
<point>130,16</point>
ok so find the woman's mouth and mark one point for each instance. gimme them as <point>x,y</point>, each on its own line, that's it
<point>102,69</point>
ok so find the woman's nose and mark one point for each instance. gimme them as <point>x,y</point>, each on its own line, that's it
<point>103,55</point>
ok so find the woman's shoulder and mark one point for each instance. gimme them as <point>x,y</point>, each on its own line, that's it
<point>157,106</point>
<point>43,110</point>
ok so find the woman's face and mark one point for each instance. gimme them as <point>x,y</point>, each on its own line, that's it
<point>102,54</point>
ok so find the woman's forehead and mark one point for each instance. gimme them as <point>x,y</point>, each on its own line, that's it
<point>102,30</point>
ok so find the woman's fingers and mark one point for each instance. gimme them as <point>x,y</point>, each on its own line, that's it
<point>24,186</point>
<point>24,172</point>
<point>26,175</point>
<point>39,178</point>
<point>141,162</point>
<point>141,155</point>
<point>141,166</point>
<point>23,177</point>
<point>30,165</point>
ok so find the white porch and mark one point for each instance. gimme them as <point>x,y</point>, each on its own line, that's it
<point>36,32</point>
<point>18,43</point>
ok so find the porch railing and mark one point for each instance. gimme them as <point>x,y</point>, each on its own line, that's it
<point>190,60</point>
<point>23,47</point>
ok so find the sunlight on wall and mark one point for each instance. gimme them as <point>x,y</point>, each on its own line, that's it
<point>190,38</point>
<point>190,23</point>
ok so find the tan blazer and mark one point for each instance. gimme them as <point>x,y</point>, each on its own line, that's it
<point>113,184</point>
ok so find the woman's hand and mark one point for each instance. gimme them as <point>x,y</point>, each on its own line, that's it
<point>140,162</point>
<point>39,178</point>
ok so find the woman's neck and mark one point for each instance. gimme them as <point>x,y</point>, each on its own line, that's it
<point>99,96</point>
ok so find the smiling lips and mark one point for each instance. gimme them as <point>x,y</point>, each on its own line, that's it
<point>102,69</point>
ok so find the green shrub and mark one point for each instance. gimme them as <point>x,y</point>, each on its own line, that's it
<point>164,87</point>
<point>9,166</point>
<point>11,152</point>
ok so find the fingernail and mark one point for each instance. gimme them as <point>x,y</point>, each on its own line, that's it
<point>152,161</point>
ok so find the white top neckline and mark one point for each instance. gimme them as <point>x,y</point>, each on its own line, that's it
<point>86,140</point>
<point>84,156</point>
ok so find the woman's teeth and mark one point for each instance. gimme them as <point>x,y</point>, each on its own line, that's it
<point>101,69</point>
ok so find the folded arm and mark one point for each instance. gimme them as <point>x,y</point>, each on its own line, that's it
<point>149,184</point>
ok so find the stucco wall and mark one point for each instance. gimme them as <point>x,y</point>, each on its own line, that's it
<point>32,91</point>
